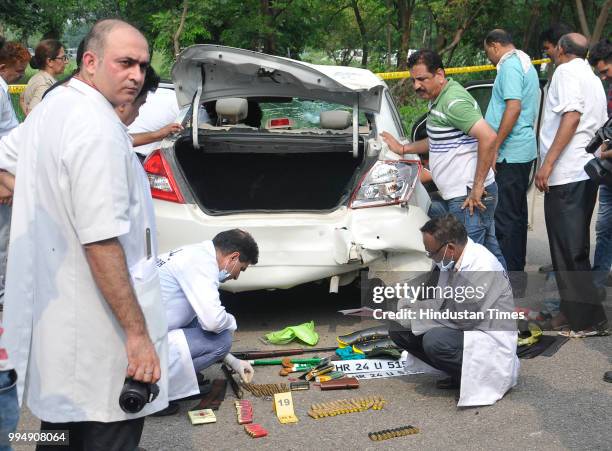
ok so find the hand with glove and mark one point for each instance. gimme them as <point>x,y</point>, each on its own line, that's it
<point>242,367</point>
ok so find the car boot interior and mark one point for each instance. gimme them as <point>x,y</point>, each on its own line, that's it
<point>262,178</point>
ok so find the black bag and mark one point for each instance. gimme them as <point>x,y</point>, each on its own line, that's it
<point>600,171</point>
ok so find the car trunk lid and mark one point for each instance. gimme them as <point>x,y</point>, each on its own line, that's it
<point>230,72</point>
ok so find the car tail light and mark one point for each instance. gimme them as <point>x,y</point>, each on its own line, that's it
<point>386,183</point>
<point>163,185</point>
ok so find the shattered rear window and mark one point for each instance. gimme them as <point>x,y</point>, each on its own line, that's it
<point>304,113</point>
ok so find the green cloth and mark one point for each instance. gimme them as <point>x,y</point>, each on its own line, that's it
<point>304,332</point>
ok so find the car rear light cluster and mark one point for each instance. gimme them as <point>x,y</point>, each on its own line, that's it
<point>386,183</point>
<point>161,180</point>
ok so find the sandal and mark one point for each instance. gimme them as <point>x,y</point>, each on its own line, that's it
<point>584,333</point>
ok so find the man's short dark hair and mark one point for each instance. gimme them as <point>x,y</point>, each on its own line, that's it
<point>429,58</point>
<point>498,36</point>
<point>236,240</point>
<point>601,51</point>
<point>554,33</point>
<point>446,229</point>
<point>151,82</point>
<point>571,47</point>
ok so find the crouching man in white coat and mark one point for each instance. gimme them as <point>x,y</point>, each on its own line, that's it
<point>465,328</point>
<point>200,330</point>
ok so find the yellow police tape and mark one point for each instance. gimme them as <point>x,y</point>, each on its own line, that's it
<point>18,89</point>
<point>451,70</point>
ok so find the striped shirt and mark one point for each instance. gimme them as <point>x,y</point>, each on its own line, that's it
<point>453,153</point>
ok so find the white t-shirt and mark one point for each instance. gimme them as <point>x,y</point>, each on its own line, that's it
<point>160,109</point>
<point>189,278</point>
<point>574,87</point>
<point>8,119</point>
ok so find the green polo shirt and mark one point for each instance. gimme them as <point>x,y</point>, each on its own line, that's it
<point>453,154</point>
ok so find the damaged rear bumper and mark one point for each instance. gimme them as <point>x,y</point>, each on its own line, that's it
<point>297,248</point>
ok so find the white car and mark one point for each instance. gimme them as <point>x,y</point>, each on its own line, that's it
<point>290,152</point>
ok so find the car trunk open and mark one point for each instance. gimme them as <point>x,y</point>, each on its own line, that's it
<point>236,173</point>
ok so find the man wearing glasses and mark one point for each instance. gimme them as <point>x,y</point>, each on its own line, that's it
<point>465,328</point>
<point>461,150</point>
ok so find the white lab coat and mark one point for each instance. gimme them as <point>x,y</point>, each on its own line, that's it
<point>189,279</point>
<point>490,365</point>
<point>77,182</point>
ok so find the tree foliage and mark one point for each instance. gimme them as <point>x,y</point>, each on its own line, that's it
<point>374,33</point>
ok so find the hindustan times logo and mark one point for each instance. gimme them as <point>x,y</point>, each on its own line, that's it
<point>457,293</point>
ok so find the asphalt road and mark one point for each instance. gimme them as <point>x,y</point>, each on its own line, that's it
<point>560,402</point>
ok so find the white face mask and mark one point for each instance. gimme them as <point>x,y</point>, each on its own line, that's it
<point>225,275</point>
<point>445,267</point>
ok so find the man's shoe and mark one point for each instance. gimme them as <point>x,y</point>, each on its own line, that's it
<point>172,409</point>
<point>204,390</point>
<point>546,268</point>
<point>447,384</point>
<point>201,380</point>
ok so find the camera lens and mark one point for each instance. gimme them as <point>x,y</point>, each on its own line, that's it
<point>131,402</point>
<point>134,396</point>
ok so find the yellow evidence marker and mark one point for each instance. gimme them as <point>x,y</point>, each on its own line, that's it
<point>283,406</point>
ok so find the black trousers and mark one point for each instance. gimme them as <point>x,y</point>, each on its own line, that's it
<point>511,213</point>
<point>441,347</point>
<point>568,210</point>
<point>96,436</point>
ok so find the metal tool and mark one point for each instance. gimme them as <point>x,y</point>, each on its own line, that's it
<point>232,382</point>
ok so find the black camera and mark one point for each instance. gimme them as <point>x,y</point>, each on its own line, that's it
<point>603,134</point>
<point>134,395</point>
<point>600,171</point>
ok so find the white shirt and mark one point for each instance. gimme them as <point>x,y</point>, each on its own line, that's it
<point>8,119</point>
<point>490,366</point>
<point>77,182</point>
<point>189,278</point>
<point>574,87</point>
<point>160,109</point>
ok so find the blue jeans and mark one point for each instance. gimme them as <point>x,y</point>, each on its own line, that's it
<point>480,226</point>
<point>206,347</point>
<point>603,242</point>
<point>9,407</point>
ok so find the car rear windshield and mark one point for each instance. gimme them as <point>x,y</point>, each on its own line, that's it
<point>304,113</point>
<point>283,113</point>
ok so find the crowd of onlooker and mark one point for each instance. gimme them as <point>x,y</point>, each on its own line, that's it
<point>481,165</point>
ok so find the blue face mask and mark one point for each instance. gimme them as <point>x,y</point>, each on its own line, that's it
<point>225,275</point>
<point>445,267</point>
